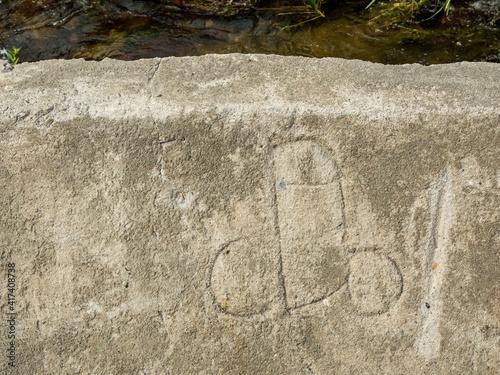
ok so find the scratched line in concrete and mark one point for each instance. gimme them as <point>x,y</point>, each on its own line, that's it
<point>434,264</point>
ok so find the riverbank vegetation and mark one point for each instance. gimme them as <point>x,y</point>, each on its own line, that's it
<point>386,31</point>
<point>400,11</point>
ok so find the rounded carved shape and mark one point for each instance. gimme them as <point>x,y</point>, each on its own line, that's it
<point>243,279</point>
<point>375,283</point>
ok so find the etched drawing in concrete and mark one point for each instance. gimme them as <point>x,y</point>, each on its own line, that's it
<point>311,222</point>
<point>375,283</point>
<point>242,279</point>
<point>314,260</point>
<point>176,226</point>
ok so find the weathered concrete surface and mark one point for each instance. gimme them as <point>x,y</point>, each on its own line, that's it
<point>248,214</point>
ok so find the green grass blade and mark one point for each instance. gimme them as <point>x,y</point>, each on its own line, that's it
<point>371,3</point>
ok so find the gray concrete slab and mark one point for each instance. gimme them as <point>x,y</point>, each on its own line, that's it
<point>250,214</point>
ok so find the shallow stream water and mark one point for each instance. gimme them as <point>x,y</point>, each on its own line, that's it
<point>128,30</point>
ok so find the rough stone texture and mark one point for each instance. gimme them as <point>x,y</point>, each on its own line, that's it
<point>248,214</point>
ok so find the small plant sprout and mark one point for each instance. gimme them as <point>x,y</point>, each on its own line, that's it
<point>418,4</point>
<point>315,7</point>
<point>11,55</point>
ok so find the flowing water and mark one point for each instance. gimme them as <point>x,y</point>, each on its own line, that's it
<point>130,29</point>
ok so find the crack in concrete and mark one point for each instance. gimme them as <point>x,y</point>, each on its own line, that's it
<point>293,119</point>
<point>157,67</point>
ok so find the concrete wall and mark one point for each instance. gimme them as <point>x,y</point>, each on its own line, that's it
<point>248,214</point>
